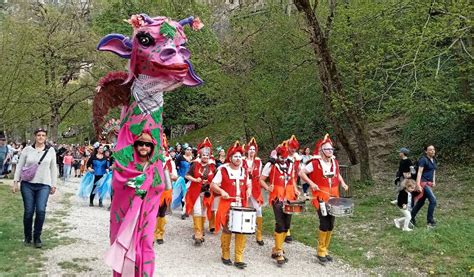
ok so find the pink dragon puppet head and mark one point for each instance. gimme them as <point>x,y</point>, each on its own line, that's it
<point>157,49</point>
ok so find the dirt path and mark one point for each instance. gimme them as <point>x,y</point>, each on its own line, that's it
<point>88,229</point>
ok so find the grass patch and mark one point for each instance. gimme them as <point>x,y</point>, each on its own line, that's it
<point>74,266</point>
<point>15,258</point>
<point>369,239</point>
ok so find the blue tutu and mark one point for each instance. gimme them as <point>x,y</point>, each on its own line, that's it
<point>85,188</point>
<point>104,186</point>
<point>179,192</point>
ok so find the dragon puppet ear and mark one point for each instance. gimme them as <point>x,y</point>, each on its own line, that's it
<point>116,43</point>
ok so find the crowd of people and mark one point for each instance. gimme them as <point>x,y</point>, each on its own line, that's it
<point>216,184</point>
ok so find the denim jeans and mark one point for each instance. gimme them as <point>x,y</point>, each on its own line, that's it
<point>67,172</point>
<point>35,197</point>
<point>427,193</point>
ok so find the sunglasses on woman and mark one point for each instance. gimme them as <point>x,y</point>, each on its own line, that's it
<point>143,143</point>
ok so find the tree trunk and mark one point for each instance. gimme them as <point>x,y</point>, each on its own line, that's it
<point>333,91</point>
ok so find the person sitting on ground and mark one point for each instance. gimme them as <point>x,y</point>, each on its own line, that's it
<point>405,202</point>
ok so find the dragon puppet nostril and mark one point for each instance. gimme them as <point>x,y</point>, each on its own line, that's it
<point>184,52</point>
<point>167,54</point>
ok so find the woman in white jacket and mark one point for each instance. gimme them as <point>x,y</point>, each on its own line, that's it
<point>36,191</point>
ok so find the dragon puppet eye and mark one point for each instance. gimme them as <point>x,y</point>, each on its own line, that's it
<point>145,39</point>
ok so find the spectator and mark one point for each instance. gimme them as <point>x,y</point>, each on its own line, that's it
<point>220,157</point>
<point>16,157</point>
<point>405,203</point>
<point>67,162</point>
<point>404,170</point>
<point>426,181</point>
<point>3,154</point>
<point>36,191</point>
<point>305,158</point>
<point>76,164</point>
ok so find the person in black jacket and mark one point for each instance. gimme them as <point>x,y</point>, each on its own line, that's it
<point>405,203</point>
<point>404,170</point>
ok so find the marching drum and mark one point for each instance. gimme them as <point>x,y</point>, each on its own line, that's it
<point>293,207</point>
<point>340,207</point>
<point>242,220</point>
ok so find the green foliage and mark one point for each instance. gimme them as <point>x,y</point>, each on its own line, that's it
<point>405,59</point>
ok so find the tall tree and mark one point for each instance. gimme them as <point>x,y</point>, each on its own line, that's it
<point>335,96</point>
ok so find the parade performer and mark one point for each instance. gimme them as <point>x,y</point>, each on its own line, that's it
<point>183,162</point>
<point>159,62</point>
<point>282,187</point>
<point>232,183</point>
<point>253,166</point>
<point>293,146</point>
<point>323,176</point>
<point>199,198</point>
<point>170,175</point>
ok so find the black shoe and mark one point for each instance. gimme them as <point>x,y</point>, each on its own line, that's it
<point>100,204</point>
<point>183,216</point>
<point>160,241</point>
<point>413,221</point>
<point>322,260</point>
<point>197,242</point>
<point>329,258</point>
<point>260,242</point>
<point>288,239</point>
<point>240,265</point>
<point>226,261</point>
<point>91,204</point>
<point>27,243</point>
<point>431,224</point>
<point>212,230</point>
<point>38,243</point>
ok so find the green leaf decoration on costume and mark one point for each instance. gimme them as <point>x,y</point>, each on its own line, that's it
<point>139,167</point>
<point>140,193</point>
<point>162,157</point>
<point>156,178</point>
<point>117,217</point>
<point>156,134</point>
<point>156,115</point>
<point>137,129</point>
<point>148,262</point>
<point>124,156</point>
<point>139,180</point>
<point>130,202</point>
<point>137,111</point>
<point>167,30</point>
<point>145,274</point>
<point>155,157</point>
<point>125,120</point>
